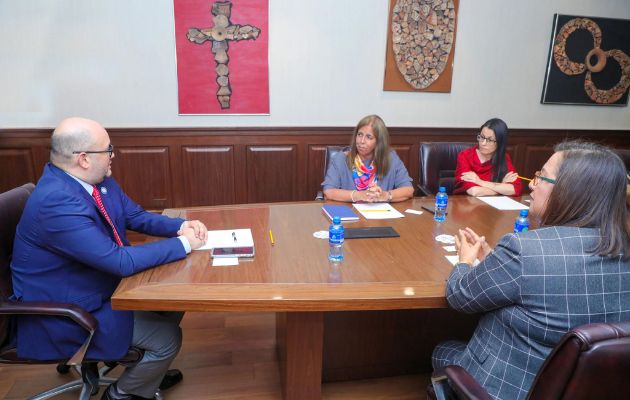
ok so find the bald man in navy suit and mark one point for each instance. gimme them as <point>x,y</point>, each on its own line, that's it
<point>71,247</point>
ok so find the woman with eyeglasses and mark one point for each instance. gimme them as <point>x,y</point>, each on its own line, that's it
<point>370,171</point>
<point>486,168</point>
<point>535,286</point>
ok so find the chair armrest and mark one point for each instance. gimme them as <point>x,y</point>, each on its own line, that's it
<point>68,310</point>
<point>319,196</point>
<point>461,382</point>
<point>72,311</point>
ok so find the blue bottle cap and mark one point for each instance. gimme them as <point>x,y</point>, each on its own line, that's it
<point>442,189</point>
<point>524,213</point>
<point>336,220</point>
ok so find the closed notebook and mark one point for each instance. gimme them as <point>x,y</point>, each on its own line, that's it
<point>370,232</point>
<point>341,211</point>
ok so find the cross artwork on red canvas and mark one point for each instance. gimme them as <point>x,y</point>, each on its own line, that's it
<point>222,62</point>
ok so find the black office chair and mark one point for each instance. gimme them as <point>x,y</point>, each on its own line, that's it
<point>330,151</point>
<point>90,377</point>
<point>437,166</point>
<point>590,362</point>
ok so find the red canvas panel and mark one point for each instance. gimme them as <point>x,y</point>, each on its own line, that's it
<point>248,60</point>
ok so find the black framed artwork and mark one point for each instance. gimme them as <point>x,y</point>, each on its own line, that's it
<point>589,61</point>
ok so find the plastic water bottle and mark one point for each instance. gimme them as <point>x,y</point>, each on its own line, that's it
<point>441,202</point>
<point>522,223</point>
<point>334,271</point>
<point>335,240</point>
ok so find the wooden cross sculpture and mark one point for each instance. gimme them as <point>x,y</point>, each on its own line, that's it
<point>222,32</point>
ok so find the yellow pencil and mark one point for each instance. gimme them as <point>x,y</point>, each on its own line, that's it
<point>375,210</point>
<point>525,179</point>
<point>271,237</point>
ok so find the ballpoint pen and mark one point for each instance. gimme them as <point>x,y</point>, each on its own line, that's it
<point>234,236</point>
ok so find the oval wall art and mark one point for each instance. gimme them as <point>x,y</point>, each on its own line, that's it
<point>421,42</point>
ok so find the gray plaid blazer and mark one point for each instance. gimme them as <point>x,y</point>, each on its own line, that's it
<point>532,289</point>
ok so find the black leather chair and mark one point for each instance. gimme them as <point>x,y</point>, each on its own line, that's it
<point>590,362</point>
<point>437,166</point>
<point>330,150</point>
<point>11,207</point>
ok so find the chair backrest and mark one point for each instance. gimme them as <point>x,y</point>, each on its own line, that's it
<point>590,362</point>
<point>330,151</point>
<point>437,165</point>
<point>11,206</point>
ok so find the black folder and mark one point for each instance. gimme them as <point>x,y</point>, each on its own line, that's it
<point>370,232</point>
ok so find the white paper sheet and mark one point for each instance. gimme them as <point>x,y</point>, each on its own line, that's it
<point>503,203</point>
<point>224,261</point>
<point>377,211</point>
<point>455,259</point>
<point>229,238</point>
<point>412,211</point>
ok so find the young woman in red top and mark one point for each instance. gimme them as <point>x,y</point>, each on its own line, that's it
<point>486,169</point>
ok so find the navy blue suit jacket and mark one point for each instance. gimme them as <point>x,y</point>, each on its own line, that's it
<point>65,251</point>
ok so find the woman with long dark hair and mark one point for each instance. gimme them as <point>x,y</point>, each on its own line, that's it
<point>486,169</point>
<point>370,171</point>
<point>535,286</point>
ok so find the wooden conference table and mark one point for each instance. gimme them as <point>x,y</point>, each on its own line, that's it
<point>381,313</point>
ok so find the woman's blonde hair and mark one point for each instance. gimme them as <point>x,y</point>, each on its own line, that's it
<point>381,151</point>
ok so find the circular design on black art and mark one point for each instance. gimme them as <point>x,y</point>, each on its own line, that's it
<point>559,49</point>
<point>614,93</point>
<point>570,67</point>
<point>601,60</point>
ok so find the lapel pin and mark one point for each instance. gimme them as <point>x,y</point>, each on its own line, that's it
<point>104,190</point>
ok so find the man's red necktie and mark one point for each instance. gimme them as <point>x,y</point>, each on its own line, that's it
<point>99,203</point>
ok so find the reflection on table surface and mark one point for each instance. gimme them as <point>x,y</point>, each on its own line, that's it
<point>294,275</point>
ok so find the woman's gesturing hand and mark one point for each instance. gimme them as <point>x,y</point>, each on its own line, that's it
<point>510,177</point>
<point>471,246</point>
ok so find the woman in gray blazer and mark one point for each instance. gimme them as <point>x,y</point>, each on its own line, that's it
<point>370,171</point>
<point>535,286</point>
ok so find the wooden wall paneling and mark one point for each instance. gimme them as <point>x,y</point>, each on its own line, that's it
<point>301,173</point>
<point>271,173</point>
<point>41,156</point>
<point>241,173</point>
<point>512,151</point>
<point>157,178</point>
<point>144,174</point>
<point>17,168</point>
<point>409,158</point>
<point>209,175</point>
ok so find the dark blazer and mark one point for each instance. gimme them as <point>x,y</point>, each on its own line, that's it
<point>64,251</point>
<point>532,289</point>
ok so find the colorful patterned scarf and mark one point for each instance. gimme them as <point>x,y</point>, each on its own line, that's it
<point>367,174</point>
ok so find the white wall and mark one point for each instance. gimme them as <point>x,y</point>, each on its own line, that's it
<point>114,61</point>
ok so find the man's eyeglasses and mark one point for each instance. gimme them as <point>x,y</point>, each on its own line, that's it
<point>481,138</point>
<point>538,178</point>
<point>110,150</point>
